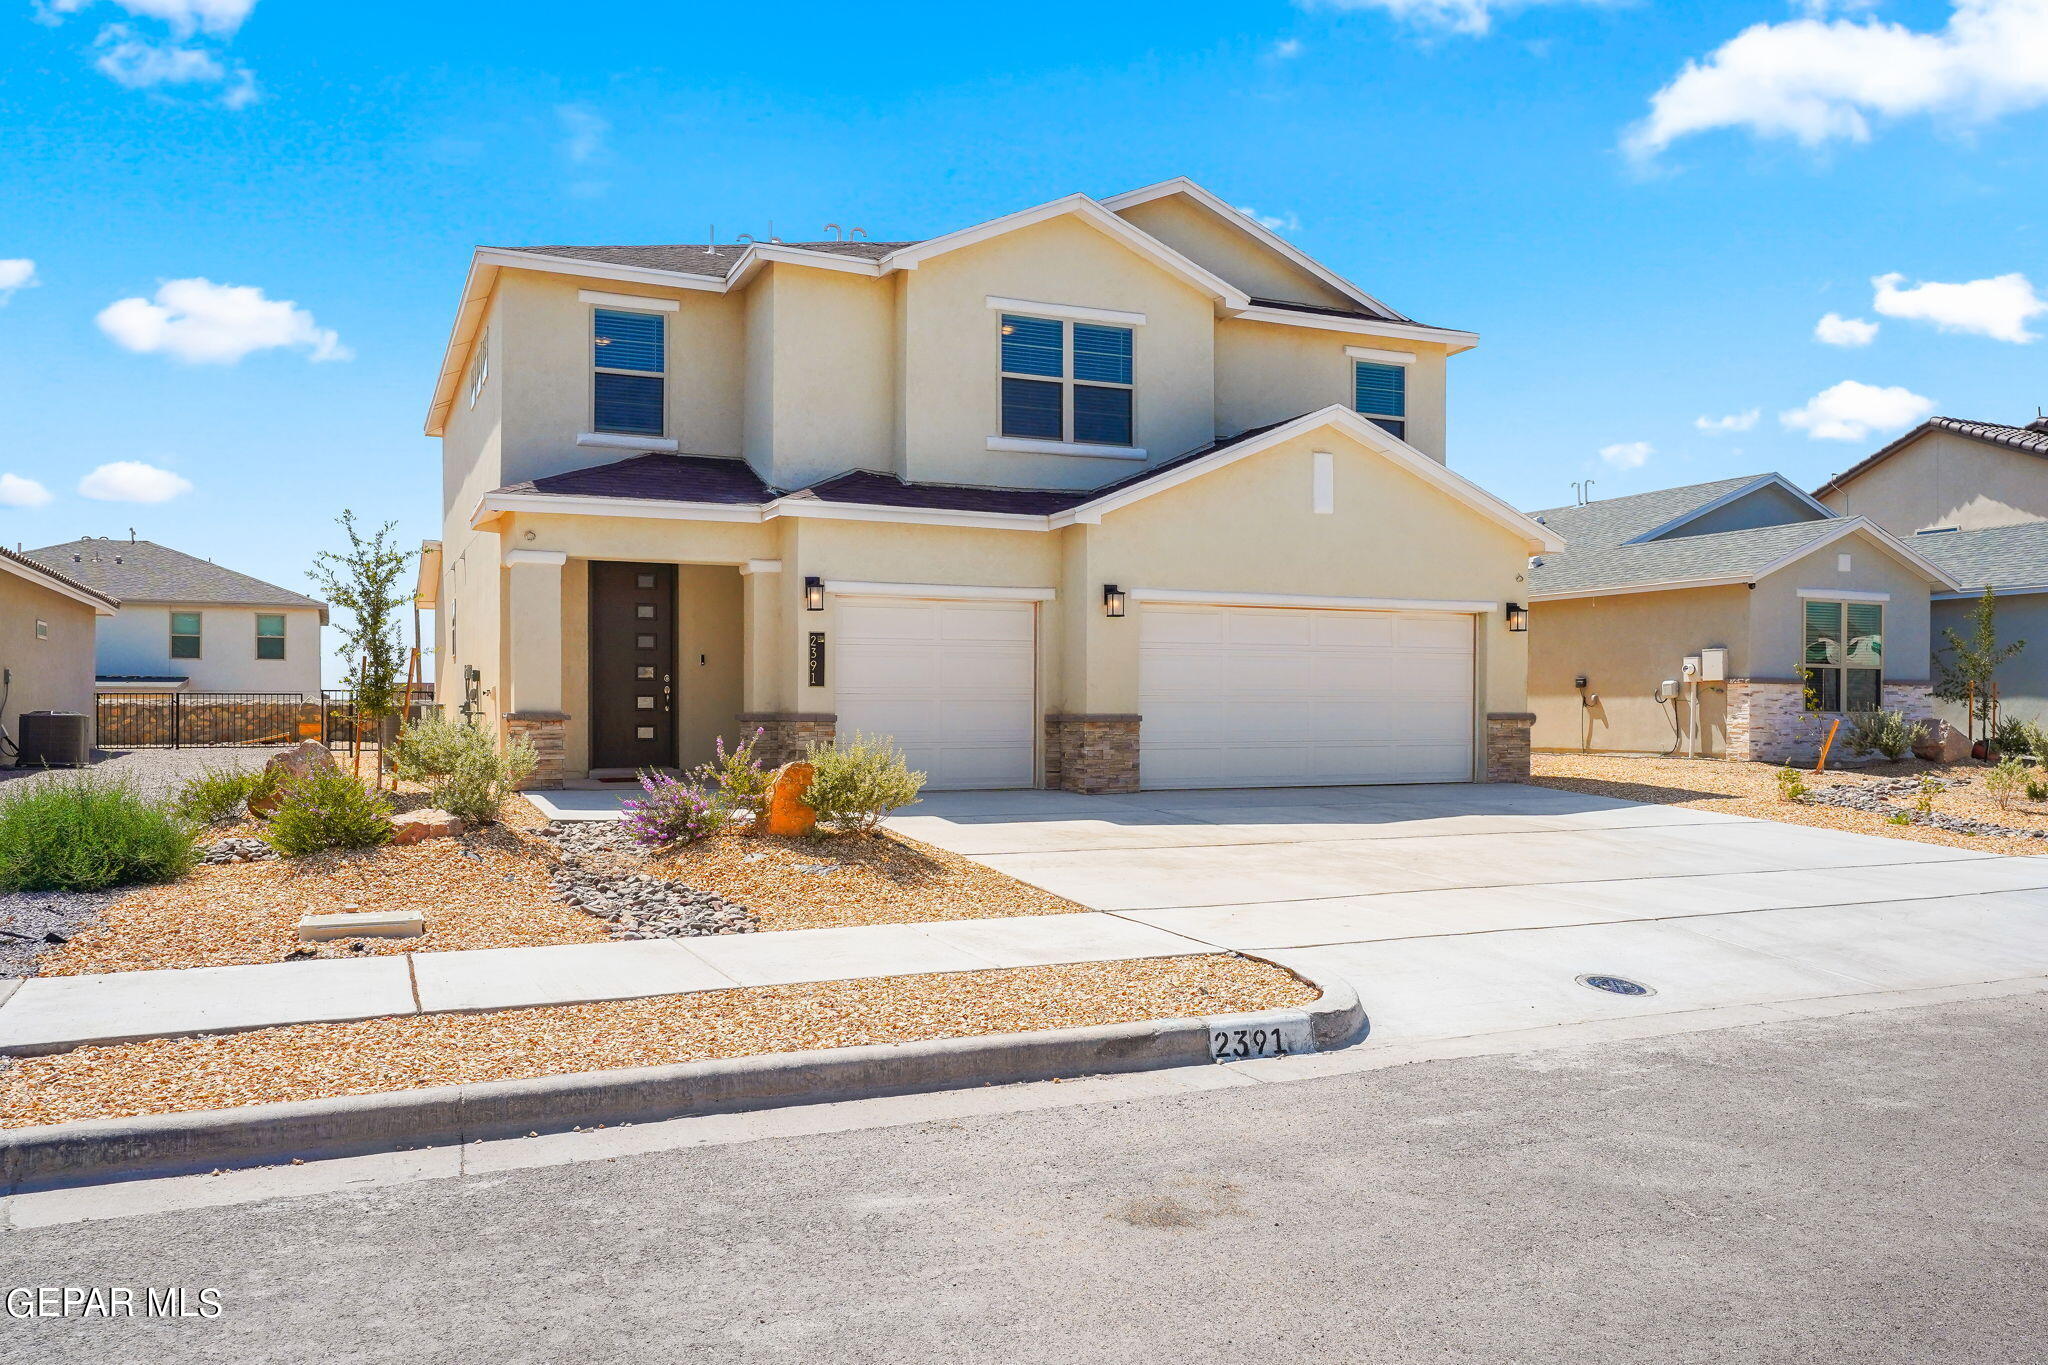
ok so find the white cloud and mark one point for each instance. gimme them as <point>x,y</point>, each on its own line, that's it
<point>1851,411</point>
<point>583,133</point>
<point>1453,16</point>
<point>1836,330</point>
<point>132,481</point>
<point>16,491</point>
<point>16,274</point>
<point>182,17</point>
<point>1285,50</point>
<point>1998,307</point>
<point>1734,421</point>
<point>139,60</point>
<point>203,323</point>
<point>1272,222</point>
<point>138,63</point>
<point>1818,80</point>
<point>1628,454</point>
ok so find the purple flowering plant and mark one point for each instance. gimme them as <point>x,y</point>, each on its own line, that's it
<point>673,812</point>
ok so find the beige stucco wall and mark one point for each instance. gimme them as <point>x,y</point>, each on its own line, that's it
<point>822,382</point>
<point>53,674</point>
<point>1943,479</point>
<point>1625,644</point>
<point>1223,250</point>
<point>1267,372</point>
<point>1777,624</point>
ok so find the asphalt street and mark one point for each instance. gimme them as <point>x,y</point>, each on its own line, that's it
<point>1863,1188</point>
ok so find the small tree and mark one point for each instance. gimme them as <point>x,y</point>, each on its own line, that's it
<point>1971,662</point>
<point>364,583</point>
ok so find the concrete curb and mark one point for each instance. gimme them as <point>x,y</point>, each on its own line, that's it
<point>97,1150</point>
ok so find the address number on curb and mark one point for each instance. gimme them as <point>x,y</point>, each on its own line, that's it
<point>1243,1044</point>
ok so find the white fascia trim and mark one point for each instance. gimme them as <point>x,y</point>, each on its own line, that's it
<point>1180,184</point>
<point>774,253</point>
<point>1972,594</point>
<point>794,506</point>
<point>1450,338</point>
<point>475,300</point>
<point>1076,312</point>
<point>1020,446</point>
<point>584,505</point>
<point>1664,585</point>
<point>604,440</point>
<point>1383,357</point>
<point>1843,595</point>
<point>754,566</point>
<point>1850,526</point>
<point>644,302</point>
<point>840,587</point>
<point>1539,537</point>
<point>1734,495</point>
<point>58,586</point>
<point>1203,597</point>
<point>552,559</point>
<point>599,270</point>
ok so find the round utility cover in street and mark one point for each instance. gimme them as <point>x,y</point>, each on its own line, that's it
<point>1616,985</point>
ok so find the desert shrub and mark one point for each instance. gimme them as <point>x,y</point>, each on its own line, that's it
<point>1901,818</point>
<point>431,748</point>
<point>2021,737</point>
<point>216,794</point>
<point>328,810</point>
<point>1930,787</point>
<point>2037,789</point>
<point>87,833</point>
<point>2007,782</point>
<point>735,774</point>
<point>1791,783</point>
<point>1886,732</point>
<point>859,782</point>
<point>674,812</point>
<point>483,776</point>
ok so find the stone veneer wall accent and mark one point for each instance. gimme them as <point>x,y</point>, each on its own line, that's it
<point>547,732</point>
<point>1916,699</point>
<point>1091,753</point>
<point>1768,721</point>
<point>786,734</point>
<point>1507,745</point>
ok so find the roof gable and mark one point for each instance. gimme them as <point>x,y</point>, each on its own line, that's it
<point>144,571</point>
<point>2031,439</point>
<point>1719,558</point>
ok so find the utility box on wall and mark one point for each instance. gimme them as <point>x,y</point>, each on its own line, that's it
<point>1714,664</point>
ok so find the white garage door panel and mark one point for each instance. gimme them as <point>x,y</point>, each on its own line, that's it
<point>950,682</point>
<point>1249,696</point>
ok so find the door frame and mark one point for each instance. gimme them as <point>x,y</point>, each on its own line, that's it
<point>590,646</point>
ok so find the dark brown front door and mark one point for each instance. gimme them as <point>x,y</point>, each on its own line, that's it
<point>632,665</point>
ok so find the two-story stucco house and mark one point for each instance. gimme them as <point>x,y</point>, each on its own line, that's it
<point>1100,494</point>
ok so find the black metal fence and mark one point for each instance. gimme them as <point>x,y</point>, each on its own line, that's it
<point>196,720</point>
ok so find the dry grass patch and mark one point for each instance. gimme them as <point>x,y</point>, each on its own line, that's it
<point>315,1061</point>
<point>1752,789</point>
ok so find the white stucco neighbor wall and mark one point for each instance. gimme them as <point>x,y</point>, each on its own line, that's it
<point>137,640</point>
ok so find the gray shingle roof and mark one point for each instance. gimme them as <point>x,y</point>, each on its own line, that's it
<point>699,259</point>
<point>68,580</point>
<point>1996,557</point>
<point>144,571</point>
<point>1610,521</point>
<point>2031,438</point>
<point>1724,554</point>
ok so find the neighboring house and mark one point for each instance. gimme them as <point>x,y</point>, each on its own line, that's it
<point>1791,616</point>
<point>1099,494</point>
<point>187,624</point>
<point>1974,498</point>
<point>46,641</point>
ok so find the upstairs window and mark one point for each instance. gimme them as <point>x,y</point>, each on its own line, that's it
<point>184,635</point>
<point>630,355</point>
<point>270,636</point>
<point>480,368</point>
<point>1843,667</point>
<point>1381,393</point>
<point>1066,381</point>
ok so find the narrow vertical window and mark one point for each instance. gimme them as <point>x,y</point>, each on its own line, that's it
<point>1843,663</point>
<point>1066,381</point>
<point>270,636</point>
<point>630,354</point>
<point>1381,393</point>
<point>480,368</point>
<point>184,635</point>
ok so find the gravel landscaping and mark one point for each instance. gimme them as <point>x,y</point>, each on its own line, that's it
<point>1862,799</point>
<point>155,772</point>
<point>314,1061</point>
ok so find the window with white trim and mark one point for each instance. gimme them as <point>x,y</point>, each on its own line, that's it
<point>269,635</point>
<point>1843,665</point>
<point>480,368</point>
<point>1380,392</point>
<point>629,355</point>
<point>184,635</point>
<point>1066,381</point>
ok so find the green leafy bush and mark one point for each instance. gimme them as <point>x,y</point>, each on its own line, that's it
<point>2037,789</point>
<point>1791,783</point>
<point>87,833</point>
<point>432,748</point>
<point>859,782</point>
<point>1899,819</point>
<point>215,794</point>
<point>2021,737</point>
<point>1887,732</point>
<point>328,810</point>
<point>475,788</point>
<point>2007,782</point>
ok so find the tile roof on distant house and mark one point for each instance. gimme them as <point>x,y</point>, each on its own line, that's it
<point>144,571</point>
<point>1995,557</point>
<point>716,262</point>
<point>18,562</point>
<point>2031,439</point>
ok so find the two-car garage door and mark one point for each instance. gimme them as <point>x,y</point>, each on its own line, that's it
<point>1260,696</point>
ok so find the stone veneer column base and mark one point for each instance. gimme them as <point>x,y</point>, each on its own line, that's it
<point>1091,753</point>
<point>547,733</point>
<point>1507,745</point>
<point>1768,722</point>
<point>786,734</point>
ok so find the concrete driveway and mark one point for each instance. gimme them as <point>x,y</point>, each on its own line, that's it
<point>1460,909</point>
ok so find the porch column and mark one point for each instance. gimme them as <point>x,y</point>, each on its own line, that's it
<point>771,685</point>
<point>533,677</point>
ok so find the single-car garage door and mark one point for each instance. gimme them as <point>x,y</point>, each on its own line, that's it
<point>1257,696</point>
<point>951,681</point>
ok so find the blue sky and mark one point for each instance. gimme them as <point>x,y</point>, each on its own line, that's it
<point>1644,209</point>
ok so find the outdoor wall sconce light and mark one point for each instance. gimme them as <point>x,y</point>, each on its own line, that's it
<point>814,594</point>
<point>1518,617</point>
<point>1112,600</point>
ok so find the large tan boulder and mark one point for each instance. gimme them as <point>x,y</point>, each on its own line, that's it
<point>418,826</point>
<point>295,764</point>
<point>1941,742</point>
<point>784,810</point>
